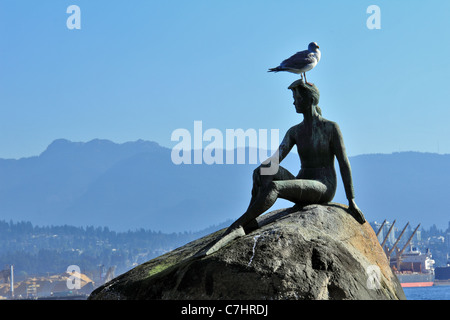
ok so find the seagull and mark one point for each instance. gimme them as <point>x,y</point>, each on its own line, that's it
<point>301,62</point>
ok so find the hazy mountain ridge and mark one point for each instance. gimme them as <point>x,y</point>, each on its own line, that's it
<point>122,186</point>
<point>135,185</point>
<point>407,186</point>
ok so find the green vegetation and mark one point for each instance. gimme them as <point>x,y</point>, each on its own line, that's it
<point>35,250</point>
<point>158,268</point>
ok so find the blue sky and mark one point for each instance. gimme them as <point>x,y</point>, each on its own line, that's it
<point>141,69</point>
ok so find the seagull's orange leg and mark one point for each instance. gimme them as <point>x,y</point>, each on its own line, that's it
<point>306,81</point>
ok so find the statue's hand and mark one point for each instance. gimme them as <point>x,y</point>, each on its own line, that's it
<point>356,212</point>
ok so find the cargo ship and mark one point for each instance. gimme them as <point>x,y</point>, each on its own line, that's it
<point>414,268</point>
<point>442,275</point>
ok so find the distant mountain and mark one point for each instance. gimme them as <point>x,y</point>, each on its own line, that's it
<point>407,186</point>
<point>122,186</point>
<point>135,185</point>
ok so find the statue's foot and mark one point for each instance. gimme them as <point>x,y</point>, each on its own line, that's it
<point>358,215</point>
<point>230,235</point>
<point>251,226</point>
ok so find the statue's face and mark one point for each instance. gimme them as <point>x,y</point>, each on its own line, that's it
<point>301,102</point>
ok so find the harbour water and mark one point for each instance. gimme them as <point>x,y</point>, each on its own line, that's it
<point>428,293</point>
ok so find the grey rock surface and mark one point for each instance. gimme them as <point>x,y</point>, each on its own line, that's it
<point>314,252</point>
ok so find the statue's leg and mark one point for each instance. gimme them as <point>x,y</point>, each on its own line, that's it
<point>302,191</point>
<point>264,195</point>
<point>294,190</point>
<point>260,182</point>
<point>262,202</point>
<point>267,189</point>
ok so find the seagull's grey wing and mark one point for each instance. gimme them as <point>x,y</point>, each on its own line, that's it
<point>299,60</point>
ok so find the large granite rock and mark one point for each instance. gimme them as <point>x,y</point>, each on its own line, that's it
<point>315,252</point>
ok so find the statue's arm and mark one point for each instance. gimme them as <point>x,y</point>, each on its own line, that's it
<point>285,147</point>
<point>287,144</point>
<point>344,164</point>
<point>346,173</point>
<point>283,150</point>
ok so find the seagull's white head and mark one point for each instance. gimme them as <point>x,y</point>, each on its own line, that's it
<point>313,47</point>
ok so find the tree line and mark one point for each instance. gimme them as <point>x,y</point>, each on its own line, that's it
<point>41,250</point>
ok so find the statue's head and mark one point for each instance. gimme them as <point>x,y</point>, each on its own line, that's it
<point>305,95</point>
<point>308,91</point>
